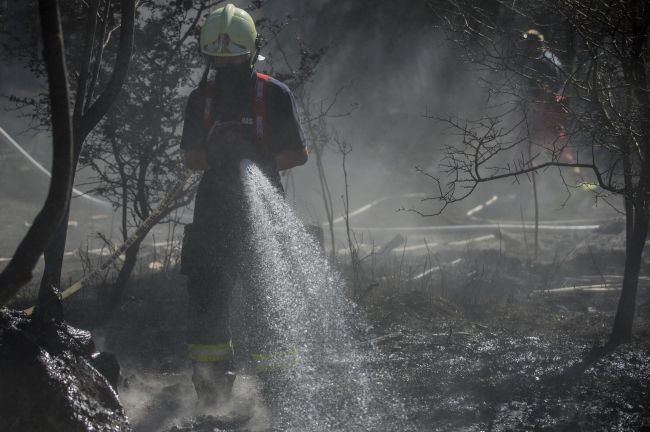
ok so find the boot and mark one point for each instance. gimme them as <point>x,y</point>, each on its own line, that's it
<point>213,383</point>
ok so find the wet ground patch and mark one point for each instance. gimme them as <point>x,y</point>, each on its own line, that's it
<point>518,367</point>
<point>483,345</point>
<point>503,365</point>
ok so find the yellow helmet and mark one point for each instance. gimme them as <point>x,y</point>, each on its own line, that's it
<point>229,33</point>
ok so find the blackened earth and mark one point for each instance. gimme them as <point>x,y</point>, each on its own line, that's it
<point>500,363</point>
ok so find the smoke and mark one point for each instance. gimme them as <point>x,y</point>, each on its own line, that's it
<point>390,62</point>
<point>155,402</point>
<point>395,68</point>
<point>395,65</point>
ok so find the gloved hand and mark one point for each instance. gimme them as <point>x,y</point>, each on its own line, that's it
<point>228,150</point>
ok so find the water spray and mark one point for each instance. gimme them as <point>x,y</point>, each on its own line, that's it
<point>304,305</point>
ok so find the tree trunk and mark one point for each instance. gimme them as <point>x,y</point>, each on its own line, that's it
<point>533,179</point>
<point>83,126</point>
<point>327,200</point>
<point>19,270</point>
<point>637,221</point>
<point>536,203</point>
<point>130,259</point>
<point>53,254</point>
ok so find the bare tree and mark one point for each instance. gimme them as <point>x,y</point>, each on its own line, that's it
<point>88,112</point>
<point>605,103</point>
<point>19,270</point>
<point>98,61</point>
<point>135,153</point>
<point>345,148</point>
<point>314,114</point>
<point>319,137</point>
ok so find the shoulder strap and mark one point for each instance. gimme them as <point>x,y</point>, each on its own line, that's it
<point>259,110</point>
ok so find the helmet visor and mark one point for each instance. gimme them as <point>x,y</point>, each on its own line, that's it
<point>224,46</point>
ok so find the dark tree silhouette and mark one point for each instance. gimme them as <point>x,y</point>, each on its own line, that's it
<point>135,154</point>
<point>605,101</point>
<point>19,270</point>
<point>88,112</point>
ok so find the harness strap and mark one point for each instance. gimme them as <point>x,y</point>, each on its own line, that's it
<point>259,110</point>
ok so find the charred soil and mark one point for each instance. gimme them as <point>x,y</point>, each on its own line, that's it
<point>513,359</point>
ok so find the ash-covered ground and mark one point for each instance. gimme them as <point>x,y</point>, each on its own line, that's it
<point>468,329</point>
<point>505,362</point>
<point>490,343</point>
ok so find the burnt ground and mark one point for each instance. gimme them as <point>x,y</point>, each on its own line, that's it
<point>518,366</point>
<point>488,344</point>
<point>500,361</point>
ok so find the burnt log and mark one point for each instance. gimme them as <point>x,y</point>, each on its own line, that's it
<point>49,380</point>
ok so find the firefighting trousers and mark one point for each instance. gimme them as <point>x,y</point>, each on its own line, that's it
<point>209,335</point>
<point>219,250</point>
<point>211,281</point>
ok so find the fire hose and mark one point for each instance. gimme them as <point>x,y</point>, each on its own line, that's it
<point>75,192</point>
<point>139,233</point>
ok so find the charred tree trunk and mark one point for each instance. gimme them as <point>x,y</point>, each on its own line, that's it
<point>19,270</point>
<point>533,180</point>
<point>536,204</point>
<point>637,196</point>
<point>130,259</point>
<point>84,122</point>
<point>637,222</point>
<point>141,208</point>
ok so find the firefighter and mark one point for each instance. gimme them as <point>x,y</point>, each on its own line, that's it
<point>234,114</point>
<point>545,91</point>
<point>542,67</point>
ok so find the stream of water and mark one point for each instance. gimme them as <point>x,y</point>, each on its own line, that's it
<point>330,388</point>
